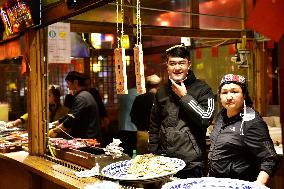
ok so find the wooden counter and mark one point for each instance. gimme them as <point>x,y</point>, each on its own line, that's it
<point>20,170</point>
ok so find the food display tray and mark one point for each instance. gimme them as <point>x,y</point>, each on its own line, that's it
<point>10,148</point>
<point>86,157</point>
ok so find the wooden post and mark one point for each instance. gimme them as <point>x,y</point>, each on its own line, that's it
<point>37,85</point>
<point>281,87</point>
<point>260,89</point>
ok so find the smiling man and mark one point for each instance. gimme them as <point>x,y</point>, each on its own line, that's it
<point>183,109</point>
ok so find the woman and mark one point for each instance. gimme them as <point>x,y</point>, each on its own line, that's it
<point>241,147</point>
<point>56,109</point>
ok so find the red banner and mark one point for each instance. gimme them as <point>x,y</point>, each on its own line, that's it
<point>232,49</point>
<point>198,53</point>
<point>214,52</point>
<point>267,18</point>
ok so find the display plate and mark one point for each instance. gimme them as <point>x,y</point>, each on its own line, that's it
<point>212,183</point>
<point>119,170</point>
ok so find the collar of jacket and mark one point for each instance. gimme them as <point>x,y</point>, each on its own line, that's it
<point>229,121</point>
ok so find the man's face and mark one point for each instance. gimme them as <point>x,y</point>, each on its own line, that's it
<point>178,68</point>
<point>71,86</point>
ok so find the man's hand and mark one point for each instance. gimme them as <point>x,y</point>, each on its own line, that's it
<point>179,90</point>
<point>52,134</point>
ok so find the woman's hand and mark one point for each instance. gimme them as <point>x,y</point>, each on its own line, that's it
<point>262,178</point>
<point>14,123</point>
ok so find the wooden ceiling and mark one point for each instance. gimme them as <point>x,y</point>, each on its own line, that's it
<point>80,19</point>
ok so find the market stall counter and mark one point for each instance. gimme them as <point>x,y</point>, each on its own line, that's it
<point>50,171</point>
<point>21,170</point>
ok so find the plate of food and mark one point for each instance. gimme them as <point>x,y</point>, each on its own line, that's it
<point>212,183</point>
<point>147,167</point>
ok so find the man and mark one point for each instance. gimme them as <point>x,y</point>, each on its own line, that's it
<point>183,109</point>
<point>141,110</point>
<point>83,118</point>
<point>127,130</point>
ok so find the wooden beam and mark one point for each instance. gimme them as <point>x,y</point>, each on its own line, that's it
<point>194,17</point>
<point>103,27</point>
<point>59,11</point>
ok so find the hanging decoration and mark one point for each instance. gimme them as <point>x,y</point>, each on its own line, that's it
<point>138,54</point>
<point>119,55</point>
<point>198,53</point>
<point>214,51</point>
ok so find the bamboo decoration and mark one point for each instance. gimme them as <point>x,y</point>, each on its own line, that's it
<point>120,71</point>
<point>138,54</point>
<point>119,56</point>
<point>139,69</point>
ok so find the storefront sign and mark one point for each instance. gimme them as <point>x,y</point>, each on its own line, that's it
<point>59,43</point>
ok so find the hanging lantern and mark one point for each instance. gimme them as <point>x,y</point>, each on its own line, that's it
<point>125,41</point>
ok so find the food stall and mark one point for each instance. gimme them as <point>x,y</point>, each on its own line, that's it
<point>34,164</point>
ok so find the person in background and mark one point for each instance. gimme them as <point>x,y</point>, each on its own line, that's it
<point>183,109</point>
<point>241,147</point>
<point>83,119</point>
<point>127,130</point>
<point>104,119</point>
<point>20,121</point>
<point>140,112</point>
<point>56,109</point>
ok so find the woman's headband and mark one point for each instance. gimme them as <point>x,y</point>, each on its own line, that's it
<point>231,78</point>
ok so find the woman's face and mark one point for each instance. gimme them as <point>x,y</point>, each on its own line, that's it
<point>51,98</point>
<point>232,98</point>
<point>178,68</point>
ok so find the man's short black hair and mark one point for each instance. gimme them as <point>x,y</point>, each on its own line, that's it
<point>74,75</point>
<point>181,51</point>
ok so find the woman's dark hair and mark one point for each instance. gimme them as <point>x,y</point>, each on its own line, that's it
<point>181,51</point>
<point>54,107</point>
<point>56,93</point>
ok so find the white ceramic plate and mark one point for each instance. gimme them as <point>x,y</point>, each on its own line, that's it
<point>118,170</point>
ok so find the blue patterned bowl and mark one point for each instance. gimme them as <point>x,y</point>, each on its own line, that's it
<point>212,183</point>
